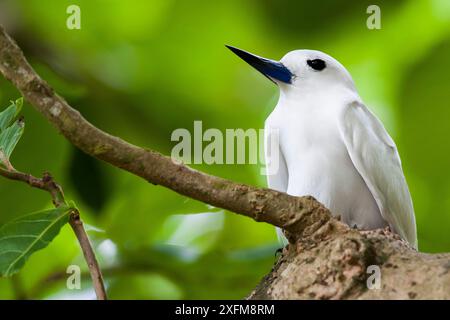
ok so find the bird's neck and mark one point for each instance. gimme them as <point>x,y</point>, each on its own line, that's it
<point>323,96</point>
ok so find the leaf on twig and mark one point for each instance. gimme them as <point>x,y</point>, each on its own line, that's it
<point>21,237</point>
<point>10,113</point>
<point>10,133</point>
<point>10,136</point>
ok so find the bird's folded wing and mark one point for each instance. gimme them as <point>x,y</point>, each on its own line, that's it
<point>375,156</point>
<point>276,169</point>
<point>277,174</point>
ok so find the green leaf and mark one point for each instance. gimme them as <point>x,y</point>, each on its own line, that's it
<point>19,105</point>
<point>20,238</point>
<point>8,115</point>
<point>9,138</point>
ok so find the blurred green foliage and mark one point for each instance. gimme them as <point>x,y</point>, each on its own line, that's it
<point>141,69</point>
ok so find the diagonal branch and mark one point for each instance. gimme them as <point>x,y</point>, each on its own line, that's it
<point>297,215</point>
<point>47,183</point>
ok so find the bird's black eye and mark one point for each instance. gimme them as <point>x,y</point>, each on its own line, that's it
<point>316,64</point>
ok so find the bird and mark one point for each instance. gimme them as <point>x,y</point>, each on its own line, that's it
<point>321,140</point>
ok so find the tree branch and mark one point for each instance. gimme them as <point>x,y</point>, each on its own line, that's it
<point>297,215</point>
<point>48,184</point>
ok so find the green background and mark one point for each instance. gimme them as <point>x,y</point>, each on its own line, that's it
<point>141,69</point>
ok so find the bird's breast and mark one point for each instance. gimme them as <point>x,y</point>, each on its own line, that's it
<point>318,164</point>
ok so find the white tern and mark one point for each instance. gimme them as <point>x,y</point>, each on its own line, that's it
<point>331,146</point>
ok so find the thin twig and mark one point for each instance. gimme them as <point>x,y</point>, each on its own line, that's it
<point>48,184</point>
<point>89,255</point>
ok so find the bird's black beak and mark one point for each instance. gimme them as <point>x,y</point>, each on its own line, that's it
<point>272,69</point>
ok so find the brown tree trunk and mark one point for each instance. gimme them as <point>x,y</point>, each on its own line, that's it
<point>333,263</point>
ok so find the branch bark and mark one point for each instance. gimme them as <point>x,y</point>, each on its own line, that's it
<point>344,264</point>
<point>325,258</point>
<point>47,183</point>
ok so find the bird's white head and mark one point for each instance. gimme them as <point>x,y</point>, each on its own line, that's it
<point>301,71</point>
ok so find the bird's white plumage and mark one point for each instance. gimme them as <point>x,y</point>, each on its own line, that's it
<point>376,158</point>
<point>333,148</point>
